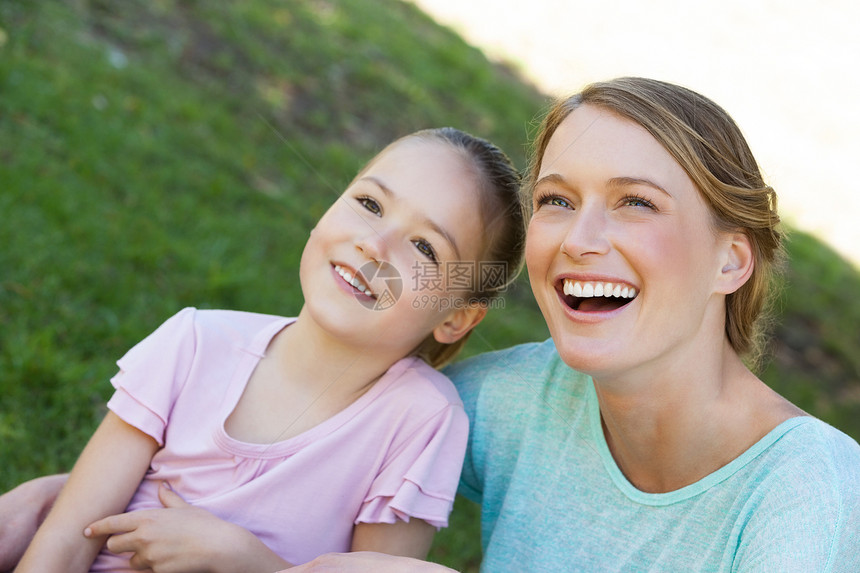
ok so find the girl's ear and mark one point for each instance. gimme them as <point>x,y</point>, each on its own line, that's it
<point>459,322</point>
<point>737,263</point>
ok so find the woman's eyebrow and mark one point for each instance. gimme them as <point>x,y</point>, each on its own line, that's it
<point>426,220</point>
<point>551,178</point>
<point>626,181</point>
<point>613,182</point>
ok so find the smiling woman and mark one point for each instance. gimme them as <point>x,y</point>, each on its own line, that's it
<point>638,432</point>
<point>701,139</point>
<point>623,211</point>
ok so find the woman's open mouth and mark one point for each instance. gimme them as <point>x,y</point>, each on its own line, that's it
<point>596,296</point>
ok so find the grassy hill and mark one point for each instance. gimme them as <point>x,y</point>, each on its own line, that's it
<point>155,155</point>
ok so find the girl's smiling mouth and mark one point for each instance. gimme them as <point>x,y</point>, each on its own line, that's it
<point>354,280</point>
<point>596,296</point>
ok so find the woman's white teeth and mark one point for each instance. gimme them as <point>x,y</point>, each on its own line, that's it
<point>352,280</point>
<point>595,289</point>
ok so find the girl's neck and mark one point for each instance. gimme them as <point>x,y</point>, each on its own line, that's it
<point>306,377</point>
<point>673,429</point>
<point>310,357</point>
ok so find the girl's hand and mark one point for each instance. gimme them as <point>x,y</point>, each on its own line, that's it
<point>181,537</point>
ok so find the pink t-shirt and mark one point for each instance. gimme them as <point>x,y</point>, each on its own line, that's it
<point>394,453</point>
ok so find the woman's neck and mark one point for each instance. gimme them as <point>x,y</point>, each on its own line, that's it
<point>669,431</point>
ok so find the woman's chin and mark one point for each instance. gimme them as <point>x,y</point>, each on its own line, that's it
<point>586,356</point>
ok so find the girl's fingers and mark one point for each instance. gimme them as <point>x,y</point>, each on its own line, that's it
<point>120,543</point>
<point>139,564</point>
<point>112,525</point>
<point>170,498</point>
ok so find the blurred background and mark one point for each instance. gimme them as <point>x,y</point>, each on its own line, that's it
<point>781,69</point>
<point>156,154</point>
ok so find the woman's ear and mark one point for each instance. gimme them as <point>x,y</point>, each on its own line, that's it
<point>738,263</point>
<point>459,322</point>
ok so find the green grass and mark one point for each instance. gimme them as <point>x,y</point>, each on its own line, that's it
<point>159,154</point>
<point>815,358</point>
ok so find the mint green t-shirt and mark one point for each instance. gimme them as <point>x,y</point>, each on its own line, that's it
<point>553,499</point>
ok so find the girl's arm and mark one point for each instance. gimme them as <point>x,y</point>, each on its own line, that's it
<point>411,539</point>
<point>181,537</point>
<point>102,483</point>
<point>185,538</point>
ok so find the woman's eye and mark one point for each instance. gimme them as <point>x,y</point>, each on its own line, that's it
<point>555,201</point>
<point>371,205</point>
<point>635,201</point>
<point>425,249</point>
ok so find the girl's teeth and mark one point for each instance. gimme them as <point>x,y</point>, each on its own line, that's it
<point>351,279</point>
<point>594,289</point>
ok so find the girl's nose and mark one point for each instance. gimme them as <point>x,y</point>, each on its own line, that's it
<point>373,244</point>
<point>587,233</point>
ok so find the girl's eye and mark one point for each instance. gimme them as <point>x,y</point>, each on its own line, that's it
<point>636,201</point>
<point>370,204</point>
<point>425,249</point>
<point>553,200</point>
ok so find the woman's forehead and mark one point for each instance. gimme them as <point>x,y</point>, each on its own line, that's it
<point>592,136</point>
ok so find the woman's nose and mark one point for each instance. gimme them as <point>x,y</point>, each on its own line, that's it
<point>586,233</point>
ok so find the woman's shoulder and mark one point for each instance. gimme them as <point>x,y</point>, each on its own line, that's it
<point>812,439</point>
<point>522,359</point>
<point>806,454</point>
<point>802,496</point>
<point>531,373</point>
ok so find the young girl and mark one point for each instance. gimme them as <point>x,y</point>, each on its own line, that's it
<point>330,431</point>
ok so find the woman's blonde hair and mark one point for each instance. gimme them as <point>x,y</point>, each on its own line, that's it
<point>709,146</point>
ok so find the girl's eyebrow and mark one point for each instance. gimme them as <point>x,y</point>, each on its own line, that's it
<point>426,220</point>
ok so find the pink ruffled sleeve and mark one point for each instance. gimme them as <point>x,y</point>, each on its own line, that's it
<point>420,480</point>
<point>152,374</point>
